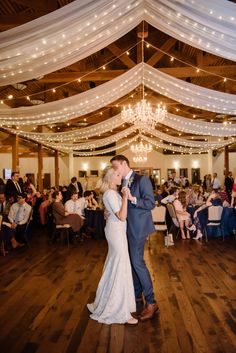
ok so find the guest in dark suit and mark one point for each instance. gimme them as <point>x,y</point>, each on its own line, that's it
<point>12,187</point>
<point>74,186</point>
<point>229,181</point>
<point>139,226</point>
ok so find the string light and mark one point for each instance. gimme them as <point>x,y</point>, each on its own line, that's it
<point>82,77</point>
<point>172,58</point>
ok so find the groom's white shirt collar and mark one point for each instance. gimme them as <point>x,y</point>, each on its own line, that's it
<point>127,177</point>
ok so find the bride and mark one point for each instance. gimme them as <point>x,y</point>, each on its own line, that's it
<point>115,300</point>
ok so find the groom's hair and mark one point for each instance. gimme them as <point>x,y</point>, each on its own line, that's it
<point>120,157</point>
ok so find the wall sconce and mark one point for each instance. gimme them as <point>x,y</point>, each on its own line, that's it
<point>103,165</point>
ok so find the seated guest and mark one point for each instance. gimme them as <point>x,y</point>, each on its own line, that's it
<point>90,200</point>
<point>174,192</point>
<point>213,200</point>
<point>62,216</point>
<point>191,196</point>
<point>15,226</point>
<point>4,206</point>
<point>224,196</point>
<point>199,193</point>
<point>73,206</point>
<point>164,191</point>
<point>183,216</point>
<point>2,186</point>
<point>158,195</point>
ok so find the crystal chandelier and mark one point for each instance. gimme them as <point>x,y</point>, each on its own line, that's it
<point>140,150</point>
<point>139,159</point>
<point>143,114</point>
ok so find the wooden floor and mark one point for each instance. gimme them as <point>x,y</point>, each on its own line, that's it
<point>44,291</point>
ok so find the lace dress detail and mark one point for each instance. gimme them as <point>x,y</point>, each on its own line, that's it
<point>115,298</point>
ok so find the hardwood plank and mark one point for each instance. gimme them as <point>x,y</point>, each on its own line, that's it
<point>45,290</point>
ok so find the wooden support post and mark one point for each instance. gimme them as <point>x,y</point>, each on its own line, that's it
<point>57,169</point>
<point>40,167</point>
<point>226,161</point>
<point>15,153</point>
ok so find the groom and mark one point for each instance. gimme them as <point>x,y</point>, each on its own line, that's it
<point>139,226</point>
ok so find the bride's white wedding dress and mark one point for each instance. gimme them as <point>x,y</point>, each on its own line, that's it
<point>115,299</point>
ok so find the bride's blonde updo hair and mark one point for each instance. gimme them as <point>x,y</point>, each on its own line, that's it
<point>106,178</point>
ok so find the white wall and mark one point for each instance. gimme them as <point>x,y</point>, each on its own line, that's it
<point>156,160</point>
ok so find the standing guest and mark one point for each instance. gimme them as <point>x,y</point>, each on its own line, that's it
<point>175,179</point>
<point>215,183</point>
<point>208,183</point>
<point>30,190</point>
<point>13,188</point>
<point>229,181</point>
<point>233,195</point>
<point>139,226</point>
<point>74,186</point>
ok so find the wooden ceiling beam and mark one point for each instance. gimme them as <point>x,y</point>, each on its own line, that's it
<point>42,5</point>
<point>106,75</point>
<point>125,59</point>
<point>158,55</point>
<point>10,21</point>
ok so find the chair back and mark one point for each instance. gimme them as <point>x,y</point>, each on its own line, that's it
<point>215,213</point>
<point>159,214</point>
<point>172,213</point>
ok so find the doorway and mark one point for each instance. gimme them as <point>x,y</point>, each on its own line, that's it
<point>195,175</point>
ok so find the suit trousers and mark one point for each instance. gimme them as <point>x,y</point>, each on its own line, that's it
<point>141,276</point>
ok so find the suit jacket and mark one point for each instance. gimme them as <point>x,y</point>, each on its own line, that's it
<point>71,189</point>
<point>139,220</point>
<point>11,190</point>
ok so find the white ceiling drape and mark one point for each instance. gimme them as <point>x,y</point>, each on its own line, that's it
<point>83,27</point>
<point>92,144</point>
<point>98,97</point>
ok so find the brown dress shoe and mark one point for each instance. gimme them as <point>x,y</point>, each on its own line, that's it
<point>149,311</point>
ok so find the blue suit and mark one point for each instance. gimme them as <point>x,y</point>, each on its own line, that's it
<point>139,226</point>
